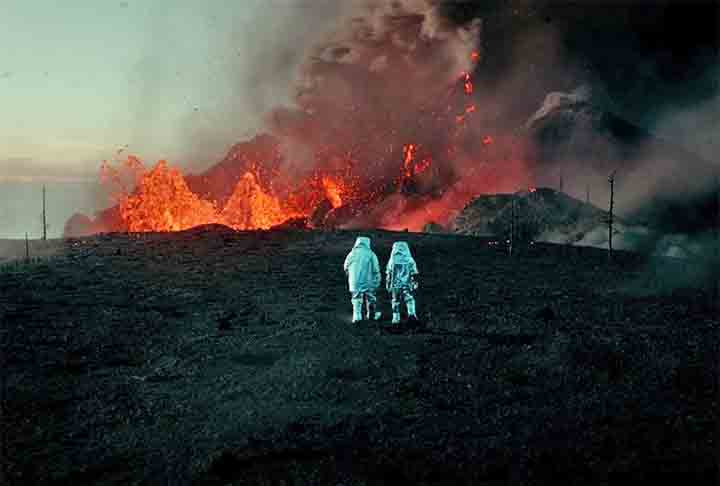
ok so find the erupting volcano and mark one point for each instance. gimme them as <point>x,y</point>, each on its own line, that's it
<point>382,134</point>
<point>269,191</point>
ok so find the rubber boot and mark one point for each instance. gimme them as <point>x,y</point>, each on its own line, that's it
<point>357,310</point>
<point>373,314</point>
<point>396,312</point>
<point>411,309</point>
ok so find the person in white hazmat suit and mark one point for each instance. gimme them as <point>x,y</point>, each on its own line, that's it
<point>401,280</point>
<point>363,271</point>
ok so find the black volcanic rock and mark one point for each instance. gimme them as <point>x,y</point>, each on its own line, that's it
<point>317,218</point>
<point>293,223</point>
<point>208,228</point>
<point>341,215</point>
<point>478,216</point>
<point>545,215</point>
<point>187,361</point>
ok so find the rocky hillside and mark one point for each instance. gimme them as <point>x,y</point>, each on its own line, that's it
<point>551,216</point>
<point>215,357</point>
<point>543,214</point>
<point>658,183</point>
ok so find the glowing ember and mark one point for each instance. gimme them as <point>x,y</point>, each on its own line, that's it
<point>532,189</point>
<point>409,152</point>
<point>467,84</point>
<point>422,166</point>
<point>487,140</point>
<point>475,56</point>
<point>333,191</point>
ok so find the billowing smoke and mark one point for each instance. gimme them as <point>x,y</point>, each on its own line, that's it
<point>381,80</point>
<point>391,90</point>
<point>423,104</point>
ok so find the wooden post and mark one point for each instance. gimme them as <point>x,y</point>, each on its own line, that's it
<point>44,218</point>
<point>611,179</point>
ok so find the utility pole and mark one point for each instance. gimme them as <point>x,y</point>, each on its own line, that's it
<point>4,419</point>
<point>27,248</point>
<point>716,246</point>
<point>611,179</point>
<point>44,218</point>
<point>561,183</point>
<point>587,193</point>
<point>512,225</point>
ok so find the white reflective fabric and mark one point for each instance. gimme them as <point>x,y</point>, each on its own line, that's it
<point>362,267</point>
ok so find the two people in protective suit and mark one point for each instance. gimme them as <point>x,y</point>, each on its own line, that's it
<point>363,271</point>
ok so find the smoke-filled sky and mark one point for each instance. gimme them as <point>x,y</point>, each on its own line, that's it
<point>184,80</point>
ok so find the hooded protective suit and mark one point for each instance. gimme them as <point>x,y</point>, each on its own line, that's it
<point>401,279</point>
<point>363,271</point>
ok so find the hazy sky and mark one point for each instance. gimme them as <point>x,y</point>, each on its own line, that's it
<point>80,79</point>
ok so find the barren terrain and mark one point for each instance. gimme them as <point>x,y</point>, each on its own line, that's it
<point>221,357</point>
<point>14,250</point>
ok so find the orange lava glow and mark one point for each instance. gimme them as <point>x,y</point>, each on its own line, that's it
<point>467,84</point>
<point>409,152</point>
<point>333,191</point>
<point>250,207</point>
<point>162,201</point>
<point>422,166</point>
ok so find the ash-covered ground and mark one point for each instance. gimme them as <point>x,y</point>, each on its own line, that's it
<point>221,357</point>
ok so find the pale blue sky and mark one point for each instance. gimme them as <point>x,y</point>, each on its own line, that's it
<point>176,79</point>
<point>170,78</point>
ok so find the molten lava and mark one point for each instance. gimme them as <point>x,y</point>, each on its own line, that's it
<point>162,201</point>
<point>373,153</point>
<point>250,207</point>
<point>333,191</point>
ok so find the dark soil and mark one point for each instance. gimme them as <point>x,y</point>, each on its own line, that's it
<point>215,357</point>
